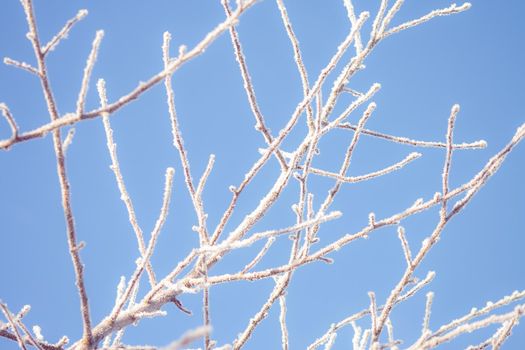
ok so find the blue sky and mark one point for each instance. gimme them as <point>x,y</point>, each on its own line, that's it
<point>474,58</point>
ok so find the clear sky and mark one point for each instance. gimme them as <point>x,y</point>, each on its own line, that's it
<point>474,58</point>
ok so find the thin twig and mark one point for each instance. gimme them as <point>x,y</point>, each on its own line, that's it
<point>353,20</point>
<point>259,256</point>
<point>298,57</point>
<point>62,34</point>
<point>204,177</point>
<point>448,159</point>
<point>378,20</point>
<point>10,120</point>
<point>411,142</point>
<point>241,243</point>
<point>404,244</point>
<point>353,179</point>
<point>428,309</point>
<point>248,87</point>
<point>282,322</point>
<point>452,9</point>
<point>373,310</point>
<point>22,65</point>
<point>115,167</point>
<point>68,140</point>
<point>90,63</point>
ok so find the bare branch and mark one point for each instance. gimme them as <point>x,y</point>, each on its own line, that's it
<point>298,57</point>
<point>90,63</point>
<point>259,256</point>
<point>353,21</point>
<point>411,142</point>
<point>22,65</point>
<point>63,33</point>
<point>10,120</point>
<point>248,87</point>
<point>404,244</point>
<point>68,140</point>
<point>282,322</point>
<point>353,179</point>
<point>452,9</point>
<point>448,159</point>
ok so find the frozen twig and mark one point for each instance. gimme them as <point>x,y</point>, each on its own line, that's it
<point>115,167</point>
<point>452,9</point>
<point>241,243</point>
<point>390,331</point>
<point>10,120</point>
<point>416,143</point>
<point>331,341</point>
<point>298,56</point>
<point>204,177</point>
<point>259,256</point>
<point>63,33</point>
<point>282,322</point>
<point>353,106</point>
<point>364,339</point>
<point>248,86</point>
<point>448,160</point>
<point>373,314</point>
<point>387,18</point>
<point>68,140</point>
<point>22,65</point>
<point>280,286</point>
<point>426,319</point>
<point>378,20</point>
<point>90,63</point>
<point>353,20</point>
<point>404,244</point>
<point>353,179</point>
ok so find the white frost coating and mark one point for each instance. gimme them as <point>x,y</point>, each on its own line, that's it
<point>38,333</point>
